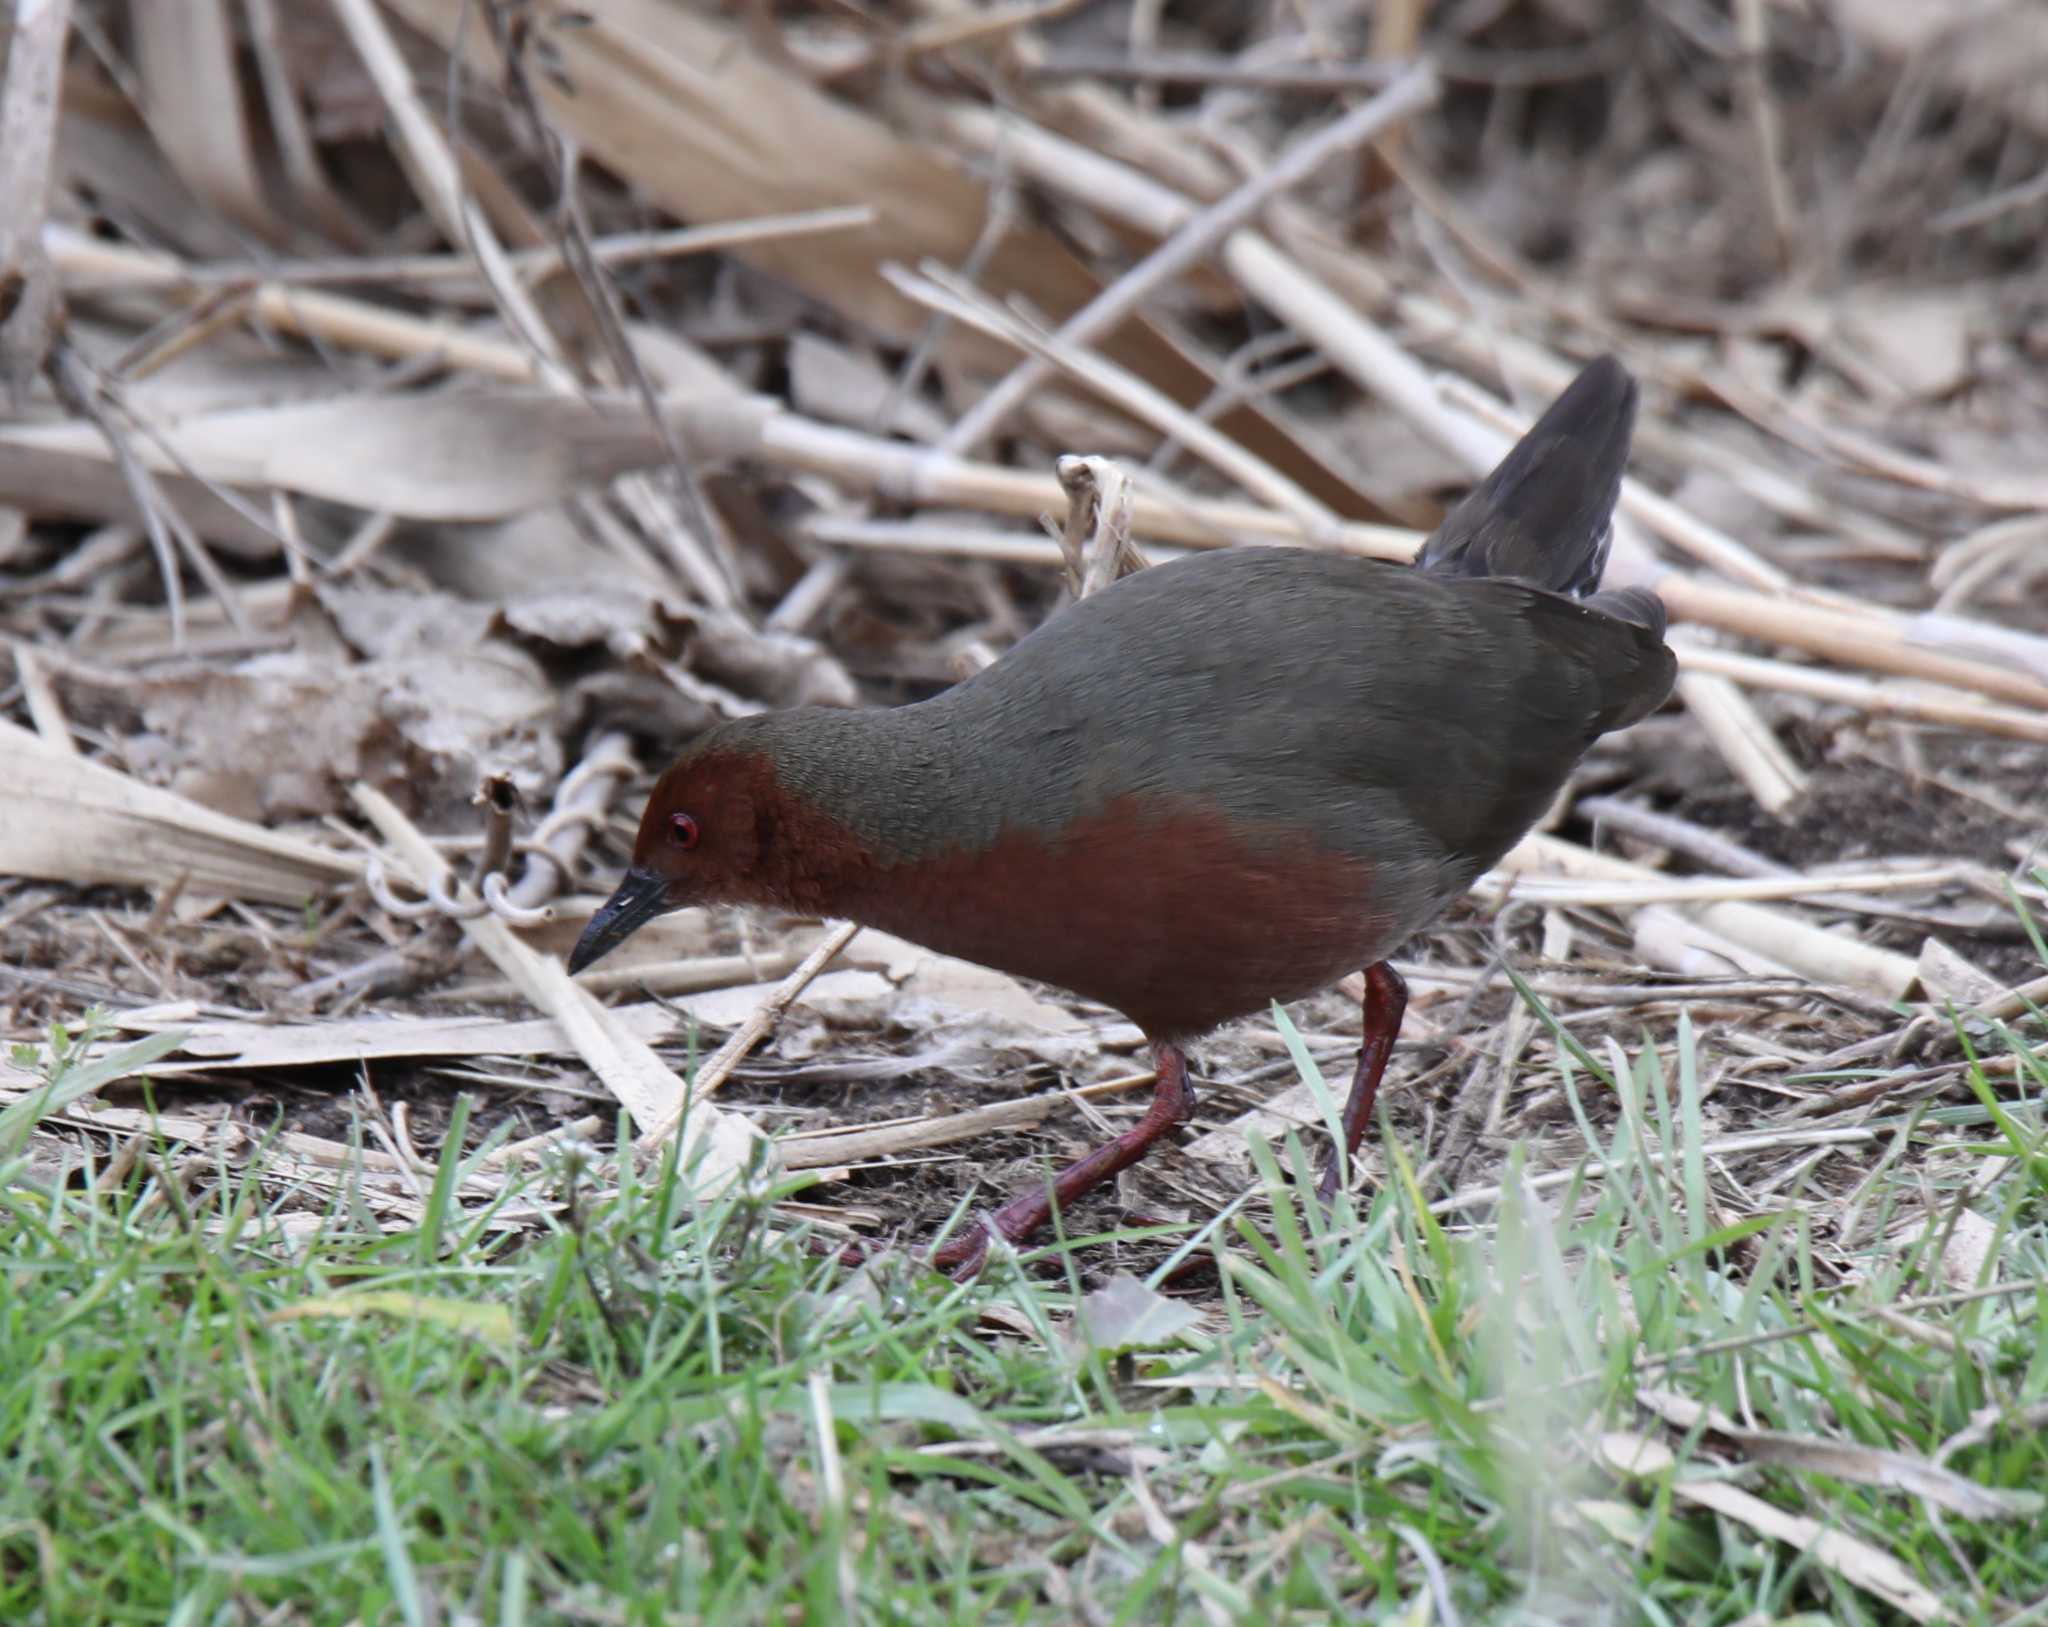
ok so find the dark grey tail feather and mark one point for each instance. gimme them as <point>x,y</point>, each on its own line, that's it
<point>1544,516</point>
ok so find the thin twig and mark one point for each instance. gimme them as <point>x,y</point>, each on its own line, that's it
<point>719,1066</point>
<point>30,303</point>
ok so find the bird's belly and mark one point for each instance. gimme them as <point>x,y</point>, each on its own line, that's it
<point>1177,917</point>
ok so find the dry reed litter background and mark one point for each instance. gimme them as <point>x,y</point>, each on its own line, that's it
<point>425,415</point>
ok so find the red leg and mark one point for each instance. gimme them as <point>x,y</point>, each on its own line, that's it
<point>1173,1102</point>
<point>1386,1000</point>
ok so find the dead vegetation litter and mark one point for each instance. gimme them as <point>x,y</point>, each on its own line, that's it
<point>428,396</point>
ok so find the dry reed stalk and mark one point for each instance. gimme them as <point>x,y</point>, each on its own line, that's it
<point>1124,390</point>
<point>335,319</point>
<point>1623,894</point>
<point>1193,240</point>
<point>1852,641</point>
<point>438,180</point>
<point>914,475</point>
<point>1781,938</point>
<point>29,105</point>
<point>1863,694</point>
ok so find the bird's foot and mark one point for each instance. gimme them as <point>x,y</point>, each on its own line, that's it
<point>966,1266</point>
<point>963,1256</point>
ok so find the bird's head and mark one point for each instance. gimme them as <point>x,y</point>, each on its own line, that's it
<point>755,812</point>
<point>701,841</point>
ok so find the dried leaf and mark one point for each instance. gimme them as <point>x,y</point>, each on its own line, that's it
<point>1851,1461</point>
<point>622,618</point>
<point>193,94</point>
<point>925,974</point>
<point>1857,1562</point>
<point>457,455</point>
<point>1124,1314</point>
<point>1947,978</point>
<point>842,386</point>
<point>1967,1243</point>
<point>221,1046</point>
<point>65,818</point>
<point>284,734</point>
<point>1919,340</point>
<point>76,481</point>
<point>491,1323</point>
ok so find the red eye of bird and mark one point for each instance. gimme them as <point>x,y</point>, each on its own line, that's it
<point>682,830</point>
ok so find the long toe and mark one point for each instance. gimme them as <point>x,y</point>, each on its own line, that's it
<point>1331,1181</point>
<point>962,1257</point>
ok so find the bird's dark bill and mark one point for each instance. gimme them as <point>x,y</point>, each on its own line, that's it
<point>639,899</point>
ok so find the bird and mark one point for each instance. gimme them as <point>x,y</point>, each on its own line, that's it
<point>1224,781</point>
